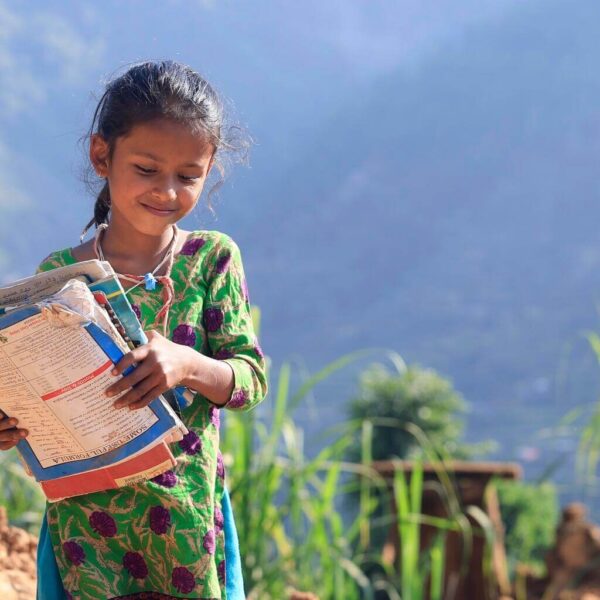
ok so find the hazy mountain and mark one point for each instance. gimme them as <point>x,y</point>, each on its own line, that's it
<point>450,213</point>
<point>419,183</point>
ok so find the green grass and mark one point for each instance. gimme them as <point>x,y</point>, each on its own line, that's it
<point>20,494</point>
<point>293,531</point>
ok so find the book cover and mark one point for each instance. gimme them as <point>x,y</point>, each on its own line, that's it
<point>52,379</point>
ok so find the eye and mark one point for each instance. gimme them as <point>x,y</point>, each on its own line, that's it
<point>189,177</point>
<point>145,170</point>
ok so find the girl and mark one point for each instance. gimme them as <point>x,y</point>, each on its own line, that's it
<point>156,134</point>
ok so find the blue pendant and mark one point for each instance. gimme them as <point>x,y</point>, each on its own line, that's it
<point>150,281</point>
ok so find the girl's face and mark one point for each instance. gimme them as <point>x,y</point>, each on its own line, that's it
<point>155,175</point>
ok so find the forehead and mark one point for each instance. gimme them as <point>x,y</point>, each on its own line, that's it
<point>166,140</point>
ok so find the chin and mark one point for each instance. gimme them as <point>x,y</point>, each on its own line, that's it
<point>153,228</point>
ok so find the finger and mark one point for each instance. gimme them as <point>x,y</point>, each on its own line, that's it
<point>13,435</point>
<point>152,394</point>
<point>130,359</point>
<point>7,445</point>
<point>8,423</point>
<point>128,381</point>
<point>137,392</point>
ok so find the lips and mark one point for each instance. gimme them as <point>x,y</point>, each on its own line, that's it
<point>160,212</point>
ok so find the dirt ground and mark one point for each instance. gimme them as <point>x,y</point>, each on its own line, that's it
<point>17,561</point>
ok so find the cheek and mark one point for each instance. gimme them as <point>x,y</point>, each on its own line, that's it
<point>125,185</point>
<point>189,196</point>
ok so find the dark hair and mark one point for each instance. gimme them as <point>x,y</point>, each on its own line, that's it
<point>165,89</point>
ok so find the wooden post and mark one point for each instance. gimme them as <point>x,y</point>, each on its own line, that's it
<point>471,482</point>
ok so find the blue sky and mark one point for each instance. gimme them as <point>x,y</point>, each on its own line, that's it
<point>284,65</point>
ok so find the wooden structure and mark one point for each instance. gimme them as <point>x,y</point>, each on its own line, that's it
<point>471,484</point>
<point>573,564</point>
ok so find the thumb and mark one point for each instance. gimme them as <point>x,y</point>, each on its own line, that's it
<point>152,335</point>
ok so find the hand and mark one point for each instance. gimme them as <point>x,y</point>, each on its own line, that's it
<point>161,365</point>
<point>9,433</point>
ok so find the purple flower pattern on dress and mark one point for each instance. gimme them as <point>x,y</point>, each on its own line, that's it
<point>223,263</point>
<point>191,444</point>
<point>160,519</point>
<point>68,595</point>
<point>219,520</point>
<point>215,416</point>
<point>136,565</point>
<point>74,553</point>
<point>185,335</point>
<point>103,524</point>
<point>229,287</point>
<point>220,465</point>
<point>137,311</point>
<point>221,571</point>
<point>213,318</point>
<point>167,479</point>
<point>258,350</point>
<point>224,353</point>
<point>183,580</point>
<point>192,246</point>
<point>238,399</point>
<point>209,541</point>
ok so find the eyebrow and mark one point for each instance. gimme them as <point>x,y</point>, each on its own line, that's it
<point>152,157</point>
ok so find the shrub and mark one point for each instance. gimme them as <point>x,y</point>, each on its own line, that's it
<point>529,513</point>
<point>411,395</point>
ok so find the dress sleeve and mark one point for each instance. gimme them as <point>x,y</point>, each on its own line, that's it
<point>52,261</point>
<point>228,324</point>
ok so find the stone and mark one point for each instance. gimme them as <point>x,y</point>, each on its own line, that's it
<point>577,547</point>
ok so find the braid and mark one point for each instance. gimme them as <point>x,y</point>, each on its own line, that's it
<point>101,210</point>
<point>102,206</point>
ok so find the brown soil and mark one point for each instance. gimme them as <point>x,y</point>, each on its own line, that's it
<point>17,561</point>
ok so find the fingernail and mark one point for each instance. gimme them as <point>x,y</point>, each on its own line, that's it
<point>108,392</point>
<point>114,372</point>
<point>12,422</point>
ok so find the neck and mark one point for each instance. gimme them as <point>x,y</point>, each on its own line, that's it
<point>119,241</point>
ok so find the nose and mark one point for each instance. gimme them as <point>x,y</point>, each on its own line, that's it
<point>166,189</point>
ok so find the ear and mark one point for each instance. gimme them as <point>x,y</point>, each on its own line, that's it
<point>99,153</point>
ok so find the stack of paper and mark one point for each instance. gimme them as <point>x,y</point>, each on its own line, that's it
<point>60,334</point>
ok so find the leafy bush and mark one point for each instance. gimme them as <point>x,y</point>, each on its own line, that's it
<point>411,395</point>
<point>529,513</point>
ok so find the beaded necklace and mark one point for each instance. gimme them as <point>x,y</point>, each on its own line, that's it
<point>150,279</point>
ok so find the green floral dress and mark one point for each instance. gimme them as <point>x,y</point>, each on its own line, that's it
<point>164,538</point>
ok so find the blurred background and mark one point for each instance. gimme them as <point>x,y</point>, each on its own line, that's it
<point>424,179</point>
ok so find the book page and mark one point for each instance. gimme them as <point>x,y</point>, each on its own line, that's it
<point>53,379</point>
<point>34,288</point>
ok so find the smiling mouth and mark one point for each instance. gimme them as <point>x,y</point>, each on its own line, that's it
<point>158,211</point>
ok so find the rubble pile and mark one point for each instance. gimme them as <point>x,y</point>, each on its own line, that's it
<point>574,562</point>
<point>17,561</point>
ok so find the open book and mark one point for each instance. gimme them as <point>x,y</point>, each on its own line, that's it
<point>61,331</point>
